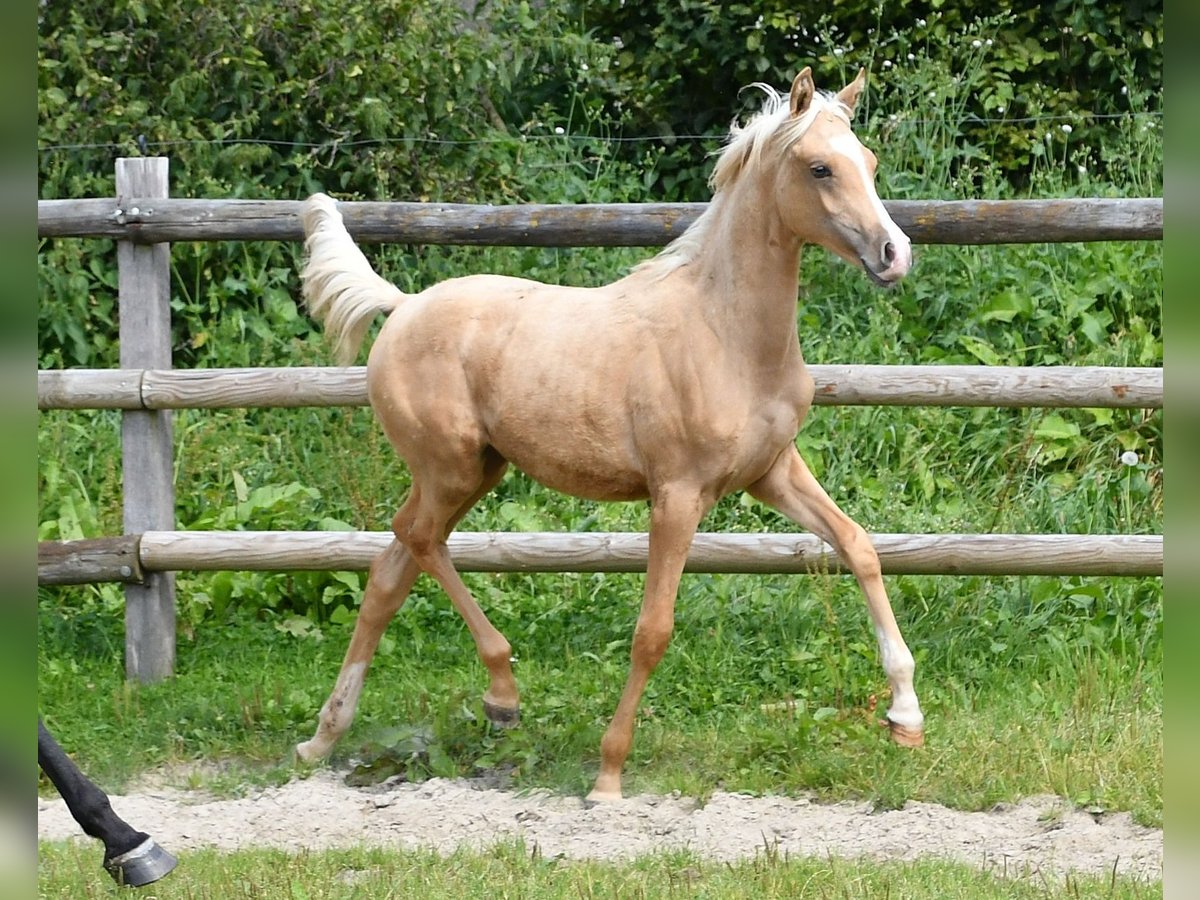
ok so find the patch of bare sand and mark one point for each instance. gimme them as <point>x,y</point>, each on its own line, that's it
<point>321,811</point>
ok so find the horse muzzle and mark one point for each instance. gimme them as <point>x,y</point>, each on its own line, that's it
<point>895,259</point>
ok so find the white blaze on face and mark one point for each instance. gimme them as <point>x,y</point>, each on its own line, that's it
<point>848,146</point>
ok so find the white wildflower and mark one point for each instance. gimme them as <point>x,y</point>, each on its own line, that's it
<point>838,51</point>
<point>977,44</point>
<point>1066,129</point>
<point>558,129</point>
<point>1129,458</point>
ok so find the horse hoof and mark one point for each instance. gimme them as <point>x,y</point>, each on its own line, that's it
<point>596,798</point>
<point>903,736</point>
<point>606,789</point>
<point>502,716</point>
<point>308,754</point>
<point>145,863</point>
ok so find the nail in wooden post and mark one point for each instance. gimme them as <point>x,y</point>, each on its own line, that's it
<point>144,285</point>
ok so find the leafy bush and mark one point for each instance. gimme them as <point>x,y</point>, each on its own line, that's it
<point>277,101</point>
<point>679,71</point>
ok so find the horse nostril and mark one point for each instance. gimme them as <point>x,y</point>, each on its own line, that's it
<point>889,253</point>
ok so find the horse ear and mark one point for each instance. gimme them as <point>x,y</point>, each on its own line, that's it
<point>850,93</point>
<point>802,91</point>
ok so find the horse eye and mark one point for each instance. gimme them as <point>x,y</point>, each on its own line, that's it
<point>821,171</point>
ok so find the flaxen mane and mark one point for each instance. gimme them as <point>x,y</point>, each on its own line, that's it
<point>771,130</point>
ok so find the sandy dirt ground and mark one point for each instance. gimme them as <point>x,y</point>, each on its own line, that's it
<point>1040,834</point>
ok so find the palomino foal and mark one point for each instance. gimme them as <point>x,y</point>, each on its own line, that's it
<point>679,383</point>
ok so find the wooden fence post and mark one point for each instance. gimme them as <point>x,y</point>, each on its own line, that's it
<point>144,285</point>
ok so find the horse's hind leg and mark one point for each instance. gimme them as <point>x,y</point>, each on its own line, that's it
<point>392,575</point>
<point>391,579</point>
<point>423,524</point>
<point>791,488</point>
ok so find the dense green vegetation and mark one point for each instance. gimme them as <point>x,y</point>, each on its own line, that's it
<point>567,103</point>
<point>678,71</point>
<point>1031,684</point>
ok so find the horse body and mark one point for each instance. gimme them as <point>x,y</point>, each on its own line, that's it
<point>663,396</point>
<point>679,383</point>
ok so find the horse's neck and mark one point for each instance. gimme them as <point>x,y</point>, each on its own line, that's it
<point>748,266</point>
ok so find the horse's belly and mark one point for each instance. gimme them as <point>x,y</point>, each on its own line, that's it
<point>581,474</point>
<point>565,434</point>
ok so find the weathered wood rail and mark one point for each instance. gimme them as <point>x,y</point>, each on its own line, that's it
<point>143,220</point>
<point>130,557</point>
<point>149,219</point>
<point>839,385</point>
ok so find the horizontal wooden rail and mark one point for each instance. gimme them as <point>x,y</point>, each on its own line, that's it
<point>899,554</point>
<point>840,385</point>
<point>90,560</point>
<point>579,225</point>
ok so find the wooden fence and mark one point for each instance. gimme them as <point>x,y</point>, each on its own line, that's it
<point>142,220</point>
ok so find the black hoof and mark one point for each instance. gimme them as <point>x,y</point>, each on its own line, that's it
<point>502,716</point>
<point>144,864</point>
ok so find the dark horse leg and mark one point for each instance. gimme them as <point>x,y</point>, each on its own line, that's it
<point>131,857</point>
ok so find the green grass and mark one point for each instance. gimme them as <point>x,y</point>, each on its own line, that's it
<point>71,870</point>
<point>767,687</point>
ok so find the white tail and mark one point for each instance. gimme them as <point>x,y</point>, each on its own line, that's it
<point>340,288</point>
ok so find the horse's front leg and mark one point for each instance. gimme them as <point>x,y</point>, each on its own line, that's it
<point>674,517</point>
<point>791,488</point>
